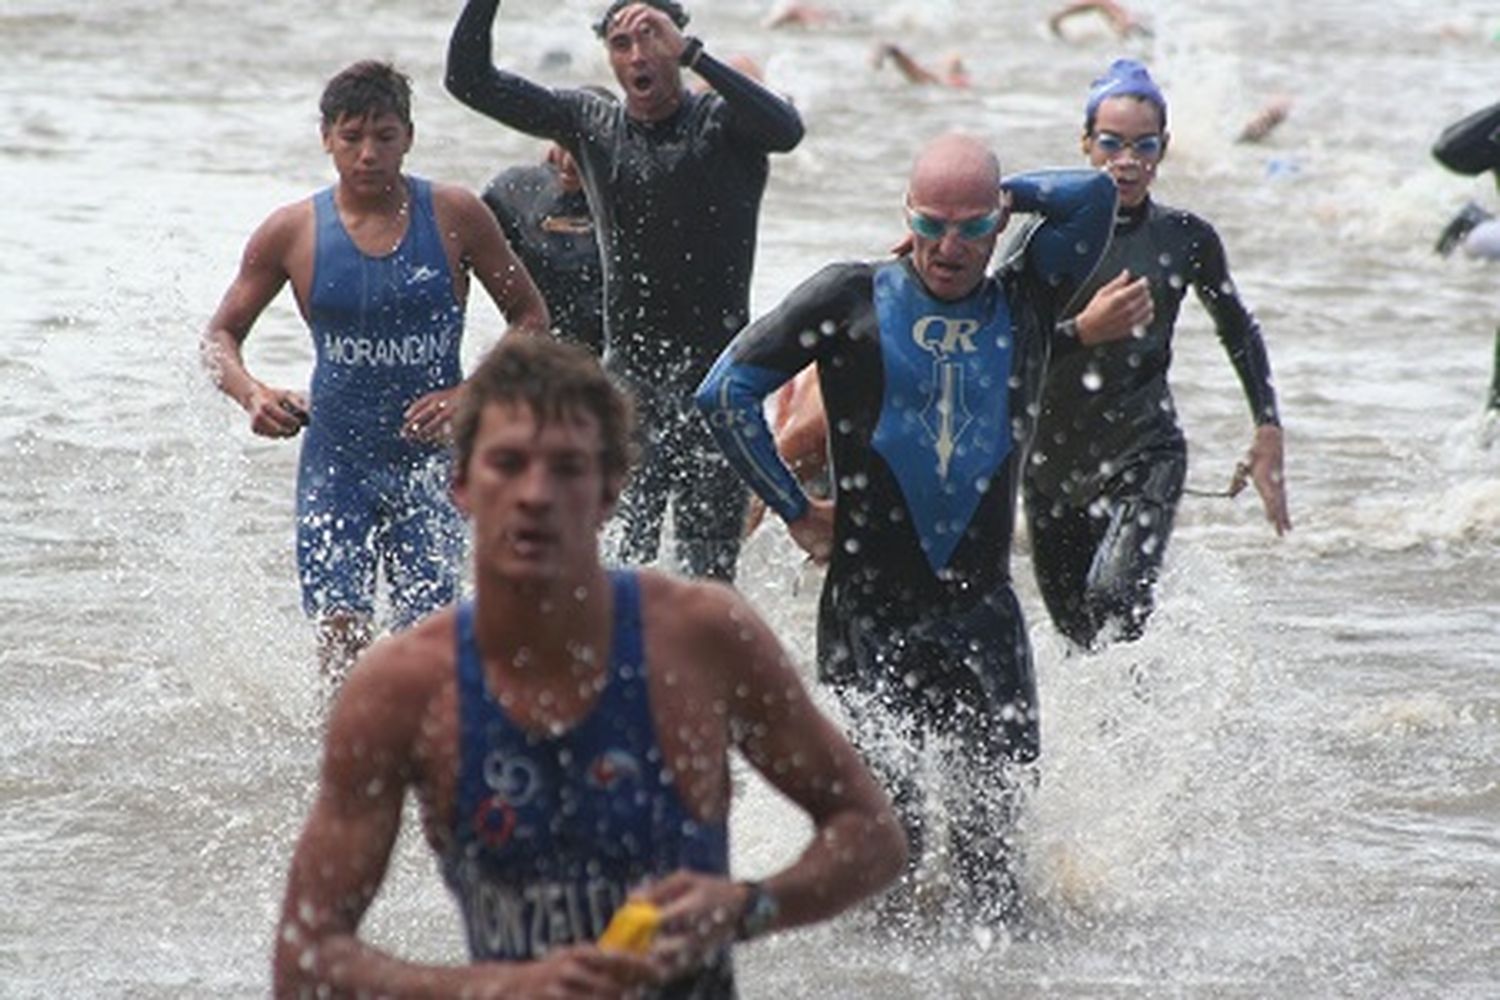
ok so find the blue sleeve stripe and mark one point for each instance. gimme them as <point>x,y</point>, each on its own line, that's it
<point>732,398</point>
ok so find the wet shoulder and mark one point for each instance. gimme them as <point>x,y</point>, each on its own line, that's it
<point>394,692</point>
<point>686,618</point>
<point>414,661</point>
<point>1178,225</point>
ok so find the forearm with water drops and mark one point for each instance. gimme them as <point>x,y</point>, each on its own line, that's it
<point>1079,209</point>
<point>771,122</point>
<point>732,400</point>
<point>472,77</point>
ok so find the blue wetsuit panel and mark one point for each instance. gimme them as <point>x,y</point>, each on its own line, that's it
<point>386,331</point>
<point>552,832</point>
<point>943,429</point>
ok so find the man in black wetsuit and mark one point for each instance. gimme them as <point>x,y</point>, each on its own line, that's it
<point>545,216</point>
<point>1108,467</point>
<point>674,180</point>
<point>930,372</point>
<point>1471,146</point>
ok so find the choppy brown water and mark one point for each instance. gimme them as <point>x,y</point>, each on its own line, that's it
<point>1306,801</point>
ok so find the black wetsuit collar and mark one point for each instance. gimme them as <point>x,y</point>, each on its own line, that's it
<point>1127,218</point>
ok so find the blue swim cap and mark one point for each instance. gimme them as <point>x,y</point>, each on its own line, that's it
<point>1124,78</point>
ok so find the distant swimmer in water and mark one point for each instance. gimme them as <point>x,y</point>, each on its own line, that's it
<point>794,14</point>
<point>391,255</point>
<point>1266,120</point>
<point>1107,472</point>
<point>952,74</point>
<point>1120,19</point>
<point>1471,146</point>
<point>566,736</point>
<point>930,370</point>
<point>675,181</point>
<point>545,214</point>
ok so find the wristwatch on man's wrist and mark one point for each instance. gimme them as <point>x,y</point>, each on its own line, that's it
<point>759,913</point>
<point>691,50</point>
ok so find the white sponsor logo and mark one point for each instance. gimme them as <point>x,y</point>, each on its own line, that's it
<point>413,349</point>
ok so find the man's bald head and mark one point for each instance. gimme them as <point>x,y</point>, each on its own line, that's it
<point>955,165</point>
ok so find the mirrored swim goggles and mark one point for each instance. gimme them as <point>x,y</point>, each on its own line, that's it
<point>930,227</point>
<point>1147,147</point>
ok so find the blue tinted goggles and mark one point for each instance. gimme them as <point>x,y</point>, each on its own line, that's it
<point>1147,147</point>
<point>930,227</point>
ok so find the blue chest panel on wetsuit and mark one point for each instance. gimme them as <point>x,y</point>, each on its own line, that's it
<point>944,426</point>
<point>551,832</point>
<point>386,330</point>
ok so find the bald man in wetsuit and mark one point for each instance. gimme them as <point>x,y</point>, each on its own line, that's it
<point>674,180</point>
<point>930,372</point>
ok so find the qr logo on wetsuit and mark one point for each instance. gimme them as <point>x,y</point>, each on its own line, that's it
<point>945,416</point>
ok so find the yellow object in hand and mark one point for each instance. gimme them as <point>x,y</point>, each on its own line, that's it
<point>632,928</point>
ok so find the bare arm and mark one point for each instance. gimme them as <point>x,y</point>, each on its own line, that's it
<point>913,71</point>
<point>482,250</point>
<point>802,425</point>
<point>489,256</point>
<point>342,854</point>
<point>857,845</point>
<point>1120,20</point>
<point>263,272</point>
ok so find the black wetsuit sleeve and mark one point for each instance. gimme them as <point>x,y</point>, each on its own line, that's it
<point>509,99</point>
<point>1238,331</point>
<point>755,115</point>
<point>763,357</point>
<point>499,196</point>
<point>1471,145</point>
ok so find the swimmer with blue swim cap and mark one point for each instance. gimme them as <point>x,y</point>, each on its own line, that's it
<point>1110,462</point>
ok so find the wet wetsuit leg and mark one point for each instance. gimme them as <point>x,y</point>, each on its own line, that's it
<point>1121,586</point>
<point>1097,568</point>
<point>422,544</point>
<point>682,464</point>
<point>643,505</point>
<point>966,679</point>
<point>1064,539</point>
<point>710,500</point>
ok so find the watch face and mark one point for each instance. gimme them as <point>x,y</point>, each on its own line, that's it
<point>760,913</point>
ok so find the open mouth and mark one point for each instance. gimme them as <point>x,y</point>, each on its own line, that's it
<point>529,541</point>
<point>641,83</point>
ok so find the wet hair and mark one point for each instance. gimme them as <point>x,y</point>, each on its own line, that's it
<point>668,7</point>
<point>367,89</point>
<point>557,381</point>
<point>1124,78</point>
